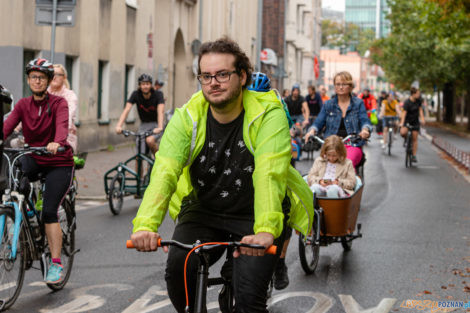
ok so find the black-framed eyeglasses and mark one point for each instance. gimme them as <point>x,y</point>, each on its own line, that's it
<point>340,85</point>
<point>40,78</point>
<point>221,77</point>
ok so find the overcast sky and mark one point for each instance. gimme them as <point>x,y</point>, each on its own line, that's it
<point>337,5</point>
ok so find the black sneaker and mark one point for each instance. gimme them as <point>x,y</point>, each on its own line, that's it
<point>281,279</point>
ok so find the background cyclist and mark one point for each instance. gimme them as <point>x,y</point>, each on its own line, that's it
<point>150,106</point>
<point>412,114</point>
<point>390,112</point>
<point>45,120</point>
<point>224,163</point>
<point>342,115</point>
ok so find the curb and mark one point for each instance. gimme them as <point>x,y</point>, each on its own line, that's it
<point>92,198</point>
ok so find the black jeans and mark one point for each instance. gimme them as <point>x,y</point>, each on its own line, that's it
<point>57,181</point>
<point>251,274</point>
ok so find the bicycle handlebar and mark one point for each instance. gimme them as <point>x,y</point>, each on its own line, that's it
<point>270,250</point>
<point>36,150</point>
<point>127,133</point>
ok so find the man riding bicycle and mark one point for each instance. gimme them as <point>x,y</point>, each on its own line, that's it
<point>411,117</point>
<point>223,170</point>
<point>150,106</point>
<point>45,120</point>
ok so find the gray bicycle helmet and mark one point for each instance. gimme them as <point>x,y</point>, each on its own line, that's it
<point>41,65</point>
<point>145,78</point>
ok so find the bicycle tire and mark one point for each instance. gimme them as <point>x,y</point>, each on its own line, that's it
<point>408,150</point>
<point>347,244</point>
<point>67,224</point>
<point>309,253</point>
<point>115,195</point>
<point>6,264</point>
<point>390,138</point>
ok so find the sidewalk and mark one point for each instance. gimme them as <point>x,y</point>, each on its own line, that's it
<point>91,177</point>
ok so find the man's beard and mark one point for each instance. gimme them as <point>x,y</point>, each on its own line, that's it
<point>224,102</point>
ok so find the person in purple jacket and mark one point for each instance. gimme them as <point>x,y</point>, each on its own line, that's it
<point>45,119</point>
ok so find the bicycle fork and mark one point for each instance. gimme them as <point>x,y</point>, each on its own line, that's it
<point>18,219</point>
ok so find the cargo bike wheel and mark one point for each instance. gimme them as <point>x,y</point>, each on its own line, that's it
<point>116,194</point>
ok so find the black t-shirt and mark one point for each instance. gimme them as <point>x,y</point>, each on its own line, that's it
<point>412,111</point>
<point>222,172</point>
<point>314,104</point>
<point>147,108</point>
<point>294,106</point>
<point>342,132</point>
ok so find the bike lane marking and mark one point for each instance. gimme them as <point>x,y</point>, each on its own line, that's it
<point>323,302</point>
<point>140,305</point>
<point>351,306</point>
<point>84,302</point>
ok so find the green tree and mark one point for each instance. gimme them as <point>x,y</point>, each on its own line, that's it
<point>429,42</point>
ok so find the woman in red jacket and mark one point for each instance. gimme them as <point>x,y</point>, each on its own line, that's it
<point>45,119</point>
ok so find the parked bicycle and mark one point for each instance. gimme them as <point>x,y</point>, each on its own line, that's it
<point>23,232</point>
<point>226,301</point>
<point>122,180</point>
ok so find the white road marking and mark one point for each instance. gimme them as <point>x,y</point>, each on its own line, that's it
<point>351,306</point>
<point>140,305</point>
<point>7,286</point>
<point>84,302</point>
<point>322,304</point>
<point>80,304</point>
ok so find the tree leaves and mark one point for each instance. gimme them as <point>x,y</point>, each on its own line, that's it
<point>429,42</point>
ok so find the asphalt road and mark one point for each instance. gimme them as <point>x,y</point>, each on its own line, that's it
<point>415,246</point>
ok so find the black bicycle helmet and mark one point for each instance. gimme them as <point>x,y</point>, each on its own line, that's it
<point>259,82</point>
<point>145,78</point>
<point>41,65</point>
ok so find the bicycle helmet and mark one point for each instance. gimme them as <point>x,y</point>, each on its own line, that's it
<point>145,78</point>
<point>259,82</point>
<point>41,65</point>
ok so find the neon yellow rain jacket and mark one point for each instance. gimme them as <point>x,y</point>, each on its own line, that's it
<point>266,134</point>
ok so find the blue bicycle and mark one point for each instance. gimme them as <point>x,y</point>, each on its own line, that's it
<point>23,238</point>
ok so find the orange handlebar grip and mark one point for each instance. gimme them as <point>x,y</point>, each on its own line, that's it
<point>130,245</point>
<point>271,250</point>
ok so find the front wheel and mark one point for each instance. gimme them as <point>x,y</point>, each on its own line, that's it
<point>390,138</point>
<point>12,268</point>
<point>67,222</point>
<point>347,244</point>
<point>116,195</point>
<point>309,253</point>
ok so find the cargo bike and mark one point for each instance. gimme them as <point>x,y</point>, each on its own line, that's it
<point>124,180</point>
<point>335,221</point>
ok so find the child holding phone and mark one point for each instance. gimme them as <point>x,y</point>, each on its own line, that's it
<point>332,174</point>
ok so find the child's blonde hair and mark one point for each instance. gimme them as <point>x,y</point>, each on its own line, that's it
<point>334,143</point>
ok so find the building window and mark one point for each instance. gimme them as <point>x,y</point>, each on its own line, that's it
<point>103,91</point>
<point>129,86</point>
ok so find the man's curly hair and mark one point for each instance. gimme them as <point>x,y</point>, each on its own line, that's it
<point>226,45</point>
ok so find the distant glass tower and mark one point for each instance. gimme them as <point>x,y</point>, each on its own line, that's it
<point>369,14</point>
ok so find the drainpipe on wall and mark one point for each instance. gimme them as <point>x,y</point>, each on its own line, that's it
<point>259,35</point>
<point>284,44</point>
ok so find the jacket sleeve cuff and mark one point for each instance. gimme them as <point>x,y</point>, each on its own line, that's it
<point>270,223</point>
<point>142,223</point>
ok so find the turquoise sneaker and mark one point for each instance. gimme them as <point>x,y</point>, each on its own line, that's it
<point>54,273</point>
